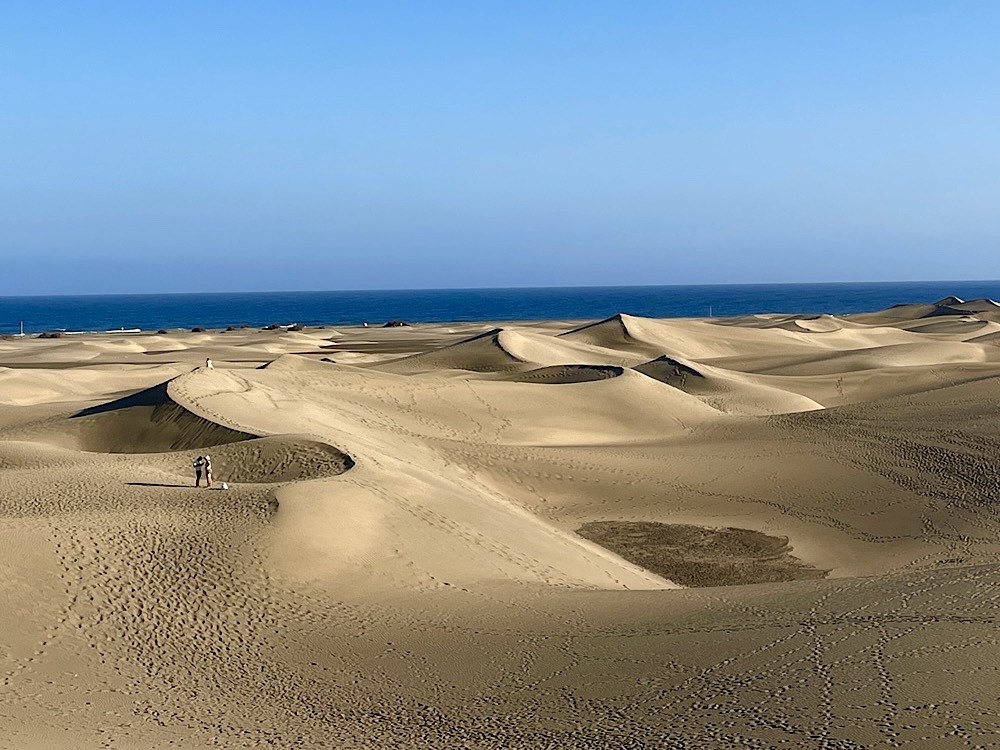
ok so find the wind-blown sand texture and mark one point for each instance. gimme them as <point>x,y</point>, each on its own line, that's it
<point>396,562</point>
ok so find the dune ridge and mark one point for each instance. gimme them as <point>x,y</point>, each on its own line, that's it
<point>728,392</point>
<point>483,352</point>
<point>149,421</point>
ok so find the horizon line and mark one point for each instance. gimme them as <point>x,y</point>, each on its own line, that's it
<point>500,288</point>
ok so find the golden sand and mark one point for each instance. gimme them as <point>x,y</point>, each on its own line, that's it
<point>396,560</point>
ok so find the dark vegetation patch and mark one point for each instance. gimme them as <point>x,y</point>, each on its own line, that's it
<point>50,335</point>
<point>198,329</point>
<point>696,556</point>
<point>395,324</point>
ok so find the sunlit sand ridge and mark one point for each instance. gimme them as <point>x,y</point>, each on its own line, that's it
<point>506,536</point>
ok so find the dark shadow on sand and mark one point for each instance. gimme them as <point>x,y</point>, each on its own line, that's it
<point>155,396</point>
<point>157,484</point>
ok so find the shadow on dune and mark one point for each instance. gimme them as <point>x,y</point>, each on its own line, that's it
<point>150,421</point>
<point>607,332</point>
<point>146,422</point>
<point>564,374</point>
<point>483,352</point>
<point>156,484</point>
<point>155,396</point>
<point>278,458</point>
<point>680,375</point>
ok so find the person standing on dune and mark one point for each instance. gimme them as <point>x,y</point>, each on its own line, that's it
<point>208,471</point>
<point>199,466</point>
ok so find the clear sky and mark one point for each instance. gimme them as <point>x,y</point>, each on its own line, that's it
<point>216,146</point>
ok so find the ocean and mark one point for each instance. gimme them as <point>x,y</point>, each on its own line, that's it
<point>218,310</point>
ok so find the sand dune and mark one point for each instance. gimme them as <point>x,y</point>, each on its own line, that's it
<point>949,306</point>
<point>615,333</point>
<point>32,386</point>
<point>730,392</point>
<point>810,323</point>
<point>445,517</point>
<point>481,353</point>
<point>400,560</point>
<point>841,388</point>
<point>966,326</point>
<point>543,349</point>
<point>869,358</point>
<point>650,338</point>
<point>510,349</point>
<point>821,324</point>
<point>985,338</point>
<point>146,422</point>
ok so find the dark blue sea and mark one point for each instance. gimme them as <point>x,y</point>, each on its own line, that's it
<point>155,311</point>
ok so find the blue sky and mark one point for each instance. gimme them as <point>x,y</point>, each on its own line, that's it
<point>217,146</point>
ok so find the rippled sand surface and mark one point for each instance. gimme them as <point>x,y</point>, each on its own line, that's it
<point>435,536</point>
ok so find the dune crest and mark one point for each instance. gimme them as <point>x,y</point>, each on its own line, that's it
<point>149,421</point>
<point>730,392</point>
<point>484,352</point>
<point>606,333</point>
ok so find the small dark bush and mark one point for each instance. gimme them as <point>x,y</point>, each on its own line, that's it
<point>272,327</point>
<point>244,325</point>
<point>230,328</point>
<point>197,329</point>
<point>163,330</point>
<point>295,327</point>
<point>395,324</point>
<point>50,335</point>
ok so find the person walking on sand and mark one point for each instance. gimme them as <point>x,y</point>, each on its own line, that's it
<point>208,364</point>
<point>208,471</point>
<point>199,467</point>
